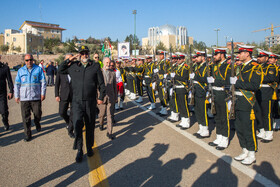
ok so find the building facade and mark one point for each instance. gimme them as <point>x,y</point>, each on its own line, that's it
<point>272,40</point>
<point>47,30</point>
<point>20,43</point>
<point>169,35</point>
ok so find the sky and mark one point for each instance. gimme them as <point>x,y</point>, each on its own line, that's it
<point>113,18</point>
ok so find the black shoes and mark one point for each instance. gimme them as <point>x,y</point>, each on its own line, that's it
<point>38,127</point>
<point>110,136</point>
<point>71,134</point>
<point>79,157</point>
<point>90,153</point>
<point>212,144</point>
<point>28,139</point>
<point>6,126</point>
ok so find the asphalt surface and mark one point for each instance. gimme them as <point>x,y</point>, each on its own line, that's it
<point>147,151</point>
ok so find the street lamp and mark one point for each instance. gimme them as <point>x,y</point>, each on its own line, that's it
<point>226,39</point>
<point>217,30</point>
<point>134,12</point>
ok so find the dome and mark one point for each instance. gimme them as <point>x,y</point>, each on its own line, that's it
<point>167,30</point>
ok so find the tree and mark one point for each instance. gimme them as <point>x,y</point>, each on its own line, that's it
<point>275,49</point>
<point>130,39</point>
<point>49,44</point>
<point>69,47</point>
<point>199,45</point>
<point>160,46</point>
<point>18,49</point>
<point>4,48</point>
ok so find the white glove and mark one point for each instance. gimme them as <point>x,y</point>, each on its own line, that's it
<point>171,92</point>
<point>155,70</point>
<point>125,84</point>
<point>210,80</point>
<point>192,75</point>
<point>154,86</point>
<point>233,80</point>
<point>165,75</point>
<point>144,83</point>
<point>172,75</point>
<point>229,103</point>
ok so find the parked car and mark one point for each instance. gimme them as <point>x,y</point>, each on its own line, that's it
<point>17,67</point>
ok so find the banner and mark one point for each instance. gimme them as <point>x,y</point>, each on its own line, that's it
<point>123,49</point>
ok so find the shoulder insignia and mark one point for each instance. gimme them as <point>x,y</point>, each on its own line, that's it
<point>258,72</point>
<point>255,64</point>
<point>186,65</point>
<point>271,72</point>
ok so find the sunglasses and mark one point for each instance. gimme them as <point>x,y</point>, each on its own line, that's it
<point>27,60</point>
<point>96,57</point>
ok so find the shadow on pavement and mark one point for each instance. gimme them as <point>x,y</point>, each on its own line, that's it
<point>150,171</point>
<point>266,170</point>
<point>10,137</point>
<point>219,174</point>
<point>76,170</point>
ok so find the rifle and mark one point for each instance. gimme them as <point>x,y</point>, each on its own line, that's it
<point>213,108</point>
<point>165,79</point>
<point>171,71</point>
<point>191,80</point>
<point>232,97</point>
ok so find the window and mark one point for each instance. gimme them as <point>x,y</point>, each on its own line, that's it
<point>8,43</point>
<point>30,39</point>
<point>14,39</point>
<point>8,34</point>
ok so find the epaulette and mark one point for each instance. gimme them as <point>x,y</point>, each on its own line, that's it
<point>186,65</point>
<point>255,64</point>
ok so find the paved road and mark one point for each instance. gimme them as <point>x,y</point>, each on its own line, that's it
<point>148,151</point>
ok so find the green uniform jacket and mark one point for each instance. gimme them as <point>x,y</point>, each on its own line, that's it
<point>201,79</point>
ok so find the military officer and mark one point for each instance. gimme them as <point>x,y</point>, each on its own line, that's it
<point>180,77</point>
<point>160,70</point>
<point>247,82</point>
<point>147,81</point>
<point>130,77</point>
<point>219,80</point>
<point>200,85</point>
<point>266,95</point>
<point>86,77</point>
<point>139,70</point>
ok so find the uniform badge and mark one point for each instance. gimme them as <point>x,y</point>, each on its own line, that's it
<point>23,79</point>
<point>35,77</point>
<point>271,72</point>
<point>215,68</point>
<point>258,72</point>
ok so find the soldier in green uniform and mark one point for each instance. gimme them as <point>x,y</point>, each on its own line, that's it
<point>246,82</point>
<point>219,80</point>
<point>200,84</point>
<point>174,117</point>
<point>147,81</point>
<point>180,94</point>
<point>130,77</point>
<point>266,95</point>
<point>139,70</point>
<point>160,70</point>
<point>276,109</point>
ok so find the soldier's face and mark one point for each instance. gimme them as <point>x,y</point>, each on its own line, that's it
<point>161,57</point>
<point>272,60</point>
<point>199,59</point>
<point>262,59</point>
<point>243,56</point>
<point>217,57</point>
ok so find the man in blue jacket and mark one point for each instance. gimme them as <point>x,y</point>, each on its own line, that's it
<point>30,91</point>
<point>51,71</point>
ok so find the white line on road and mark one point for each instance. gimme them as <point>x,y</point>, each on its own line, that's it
<point>244,169</point>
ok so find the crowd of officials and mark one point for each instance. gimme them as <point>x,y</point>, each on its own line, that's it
<point>91,88</point>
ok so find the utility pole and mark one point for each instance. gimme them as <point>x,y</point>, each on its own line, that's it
<point>134,12</point>
<point>217,30</point>
<point>226,39</point>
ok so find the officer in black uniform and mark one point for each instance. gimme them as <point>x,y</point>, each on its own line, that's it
<point>130,78</point>
<point>5,76</point>
<point>219,80</point>
<point>139,70</point>
<point>266,95</point>
<point>86,77</point>
<point>247,82</point>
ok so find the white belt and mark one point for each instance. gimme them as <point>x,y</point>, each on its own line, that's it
<point>146,76</point>
<point>181,86</point>
<point>218,88</point>
<point>238,93</point>
<point>195,82</point>
<point>265,85</point>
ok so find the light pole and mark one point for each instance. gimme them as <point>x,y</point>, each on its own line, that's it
<point>226,39</point>
<point>134,12</point>
<point>217,30</point>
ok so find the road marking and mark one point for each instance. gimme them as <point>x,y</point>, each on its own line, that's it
<point>240,167</point>
<point>97,176</point>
